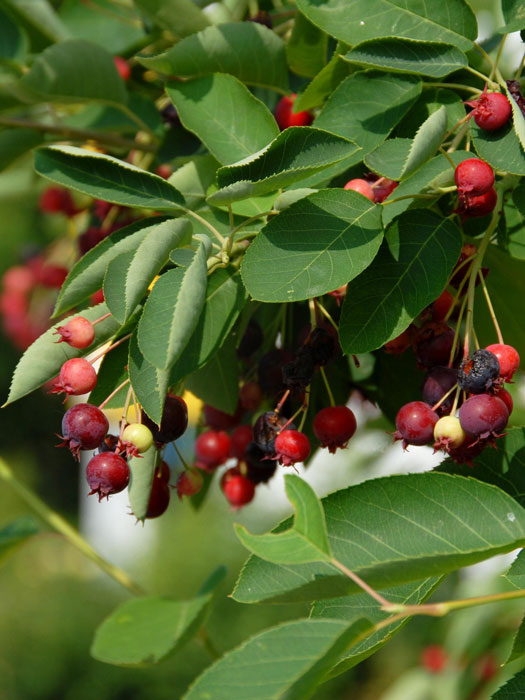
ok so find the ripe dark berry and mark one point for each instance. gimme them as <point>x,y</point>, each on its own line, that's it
<point>361,186</point>
<point>189,482</point>
<point>467,452</point>
<point>442,305</point>
<point>483,415</point>
<point>250,396</point>
<point>323,343</point>
<point>285,117</point>
<point>448,434</point>
<point>174,420</point>
<point>433,344</point>
<point>266,428</point>
<point>84,427</point>
<point>219,420</point>
<point>491,111</point>
<point>241,437</point>
<point>479,373</point>
<point>297,374</point>
<point>91,237</point>
<point>238,489</point>
<point>77,376</point>
<point>438,381</point>
<point>259,468</point>
<point>291,446</point>
<point>334,426</point>
<point>508,358</point>
<point>57,199</point>
<point>473,177</point>
<point>415,423</point>
<point>504,395</point>
<point>109,443</point>
<point>107,473</point>
<point>164,471</point>
<point>77,332</point>
<point>482,205</point>
<point>212,448</point>
<point>159,498</point>
<point>398,345</point>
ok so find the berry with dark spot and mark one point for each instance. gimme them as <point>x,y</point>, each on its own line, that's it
<point>266,429</point>
<point>479,373</point>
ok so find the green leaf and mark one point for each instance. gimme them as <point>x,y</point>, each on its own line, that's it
<point>231,129</point>
<point>435,60</point>
<point>451,23</point>
<point>409,272</point>
<point>514,688</point>
<point>517,117</point>
<point>515,222</point>
<point>110,375</point>
<point>516,574</point>
<point>180,17</point>
<point>143,631</point>
<point>44,358</point>
<point>430,101</point>
<point>324,83</point>
<point>13,39</point>
<point>514,15</point>
<point>518,645</point>
<point>305,542</point>
<point>249,51</point>
<point>107,178</point>
<point>500,148</point>
<point>299,654</point>
<point>225,298</point>
<point>316,245</point>
<point>142,470</point>
<point>295,154</point>
<point>389,158</point>
<point>15,142</point>
<point>16,532</point>
<point>306,48</point>
<point>87,275</point>
<point>393,530</point>
<point>39,20</point>
<point>194,178</point>
<point>129,275</point>
<point>70,72</point>
<point>217,383</point>
<point>149,383</point>
<point>172,311</point>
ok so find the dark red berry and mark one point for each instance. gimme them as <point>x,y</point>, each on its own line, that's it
<point>212,448</point>
<point>285,117</point>
<point>164,472</point>
<point>478,374</point>
<point>401,343</point>
<point>90,238</point>
<point>491,111</point>
<point>52,276</point>
<point>269,371</point>
<point>508,358</point>
<point>483,415</point>
<point>123,67</point>
<point>473,177</point>
<point>415,423</point>
<point>297,374</point>
<point>189,483</point>
<point>266,428</point>
<point>505,396</point>
<point>107,473</point>
<point>482,205</point>
<point>323,343</point>
<point>250,396</point>
<point>259,468</point>
<point>77,376</point>
<point>434,658</point>
<point>238,489</point>
<point>361,186</point>
<point>436,384</point>
<point>241,437</point>
<point>383,189</point>
<point>57,199</point>
<point>467,452</point>
<point>433,344</point>
<point>442,305</point>
<point>84,427</point>
<point>219,420</point>
<point>334,426</point>
<point>77,332</point>
<point>159,498</point>
<point>97,297</point>
<point>291,446</point>
<point>174,420</point>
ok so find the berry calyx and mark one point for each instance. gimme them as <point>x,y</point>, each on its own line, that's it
<point>285,116</point>
<point>77,376</point>
<point>159,499</point>
<point>481,205</point>
<point>212,448</point>
<point>491,111</point>
<point>189,483</point>
<point>483,415</point>
<point>173,423</point>
<point>361,186</point>
<point>291,446</point>
<point>84,427</point>
<point>107,473</point>
<point>238,489</point>
<point>479,373</point>
<point>473,177</point>
<point>415,423</point>
<point>136,438</point>
<point>508,358</point>
<point>334,426</point>
<point>241,437</point>
<point>448,433</point>
<point>77,332</point>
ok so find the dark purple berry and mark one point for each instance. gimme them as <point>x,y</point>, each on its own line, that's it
<point>266,429</point>
<point>270,374</point>
<point>258,469</point>
<point>479,373</point>
<point>483,415</point>
<point>109,443</point>
<point>433,344</point>
<point>438,381</point>
<point>159,498</point>
<point>415,423</point>
<point>84,427</point>
<point>107,473</point>
<point>174,420</point>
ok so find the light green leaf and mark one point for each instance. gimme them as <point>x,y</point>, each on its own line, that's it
<point>142,470</point>
<point>217,383</point>
<point>107,178</point>
<point>435,60</point>
<point>516,574</point>
<point>313,247</point>
<point>111,374</point>
<point>306,48</point>
<point>324,82</point>
<point>409,272</point>
<point>129,275</point>
<point>232,128</point>
<point>16,532</point>
<point>389,158</point>
<point>500,148</point>
<point>194,178</point>
<point>518,645</point>
<point>514,15</point>
<point>517,117</point>
<point>180,17</point>
<point>149,383</point>
<point>249,51</point>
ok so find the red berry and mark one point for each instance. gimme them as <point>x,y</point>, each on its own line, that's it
<point>241,437</point>
<point>383,189</point>
<point>84,427</point>
<point>174,420</point>
<point>434,658</point>
<point>164,170</point>
<point>508,357</point>
<point>189,483</point>
<point>478,206</point>
<point>164,472</point>
<point>13,304</point>
<point>159,499</point>
<point>467,451</point>
<point>415,423</point>
<point>57,199</point>
<point>504,395</point>
<point>291,446</point>
<point>18,279</point>
<point>442,305</point>
<point>219,420</point>
<point>90,238</point>
<point>398,345</point>
<point>361,186</point>
<point>77,376</point>
<point>97,297</point>
<point>266,428</point>
<point>491,111</point>
<point>52,276</point>
<point>107,473</point>
<point>123,67</point>
<point>285,117</point>
<point>238,489</point>
<point>433,344</point>
<point>483,415</point>
<point>473,177</point>
<point>78,332</point>
<point>250,396</point>
<point>212,448</point>
<point>334,426</point>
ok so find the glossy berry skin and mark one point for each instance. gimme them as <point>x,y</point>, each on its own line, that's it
<point>138,436</point>
<point>77,376</point>
<point>212,448</point>
<point>473,177</point>
<point>361,186</point>
<point>173,423</point>
<point>483,205</point>
<point>483,415</point>
<point>504,395</point>
<point>334,426</point>
<point>438,381</point>
<point>189,483</point>
<point>415,423</point>
<point>491,111</point>
<point>291,446</point>
<point>448,433</point>
<point>266,428</point>
<point>285,117</point>
<point>479,373</point>
<point>508,358</point>
<point>241,437</point>
<point>238,489</point>
<point>259,468</point>
<point>383,189</point>
<point>433,344</point>
<point>159,499</point>
<point>107,473</point>
<point>77,332</point>
<point>84,427</point>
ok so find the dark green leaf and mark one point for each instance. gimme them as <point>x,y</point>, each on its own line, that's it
<point>518,120</point>
<point>515,221</point>
<point>16,532</point>
<point>111,373</point>
<point>180,17</point>
<point>13,39</point>
<point>149,383</point>
<point>306,48</point>
<point>217,383</point>
<point>15,142</point>
<point>514,689</point>
<point>142,470</point>
<point>514,15</point>
<point>516,574</point>
<point>518,646</point>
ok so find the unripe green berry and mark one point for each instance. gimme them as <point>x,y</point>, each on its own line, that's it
<point>448,431</point>
<point>138,435</point>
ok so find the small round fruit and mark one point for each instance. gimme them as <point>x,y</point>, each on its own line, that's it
<point>52,276</point>
<point>383,189</point>
<point>212,448</point>
<point>434,658</point>
<point>433,344</point>
<point>291,446</point>
<point>159,499</point>
<point>269,371</point>
<point>266,429</point>
<point>19,279</point>
<point>250,396</point>
<point>285,117</point>
<point>448,433</point>
<point>436,384</point>
<point>84,427</point>
<point>504,395</point>
<point>401,343</point>
<point>508,358</point>
<point>259,468</point>
<point>492,111</point>
<point>473,177</point>
<point>164,472</point>
<point>442,305</point>
<point>77,376</point>
<point>361,186</point>
<point>415,423</point>
<point>219,420</point>
<point>174,420</point>
<point>107,473</point>
<point>478,373</point>
<point>482,205</point>
<point>140,436</point>
<point>77,332</point>
<point>57,199</point>
<point>123,67</point>
<point>189,482</point>
<point>241,437</point>
<point>238,489</point>
<point>334,426</point>
<point>483,415</point>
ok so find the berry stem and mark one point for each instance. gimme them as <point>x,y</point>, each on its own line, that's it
<point>327,385</point>
<point>58,523</point>
<point>209,226</point>
<point>110,218</point>
<point>326,314</point>
<point>304,408</point>
<point>456,335</point>
<point>124,419</point>
<point>362,584</point>
<point>280,405</point>
<point>494,70</point>
<point>109,348</point>
<point>182,460</point>
<point>456,401</point>
<point>475,72</point>
<point>491,308</point>
<point>208,645</point>
<point>99,320</point>
<point>452,86</point>
<point>114,393</point>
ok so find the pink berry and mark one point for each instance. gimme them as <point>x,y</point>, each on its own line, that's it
<point>238,489</point>
<point>77,376</point>
<point>291,446</point>
<point>361,186</point>
<point>212,448</point>
<point>285,117</point>
<point>159,499</point>
<point>473,177</point>
<point>52,276</point>
<point>84,427</point>
<point>18,279</point>
<point>415,423</point>
<point>77,332</point>
<point>107,473</point>
<point>97,297</point>
<point>189,483</point>
<point>508,357</point>
<point>334,426</point>
<point>483,415</point>
<point>491,111</point>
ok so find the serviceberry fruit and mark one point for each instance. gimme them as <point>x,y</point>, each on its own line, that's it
<point>219,420</point>
<point>467,452</point>
<point>136,438</point>
<point>434,658</point>
<point>483,415</point>
<point>473,177</point>
<point>285,117</point>
<point>107,473</point>
<point>189,482</point>
<point>479,373</point>
<point>238,489</point>
<point>382,188</point>
<point>442,305</point>
<point>77,376</point>
<point>266,428</point>
<point>84,427</point>
<point>481,205</point>
<point>159,499</point>
<point>212,448</point>
<point>448,433</point>
<point>291,446</point>
<point>433,344</point>
<point>259,468</point>
<point>401,343</point>
<point>415,423</point>
<point>504,395</point>
<point>436,384</point>
<point>250,396</point>
<point>52,276</point>
<point>173,423</point>
<point>123,67</point>
<point>77,332</point>
<point>164,472</point>
<point>334,426</point>
<point>109,443</point>
<point>18,279</point>
<point>491,111</point>
<point>56,199</point>
<point>361,186</point>
<point>269,371</point>
<point>241,437</point>
<point>508,358</point>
